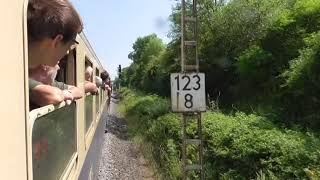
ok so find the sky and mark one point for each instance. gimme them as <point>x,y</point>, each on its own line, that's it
<point>112,26</point>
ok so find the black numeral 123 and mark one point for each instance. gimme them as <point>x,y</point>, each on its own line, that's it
<point>187,85</point>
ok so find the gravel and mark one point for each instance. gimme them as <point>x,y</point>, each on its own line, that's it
<point>121,159</point>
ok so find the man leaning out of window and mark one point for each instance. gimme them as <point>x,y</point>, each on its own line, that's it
<point>52,28</point>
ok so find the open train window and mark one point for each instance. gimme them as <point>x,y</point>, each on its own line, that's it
<point>62,73</point>
<point>67,71</point>
<point>89,114</point>
<point>97,97</point>
<point>88,75</point>
<point>52,142</point>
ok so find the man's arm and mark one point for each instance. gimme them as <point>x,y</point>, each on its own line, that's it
<point>70,92</point>
<point>90,87</point>
<point>75,91</point>
<point>43,95</point>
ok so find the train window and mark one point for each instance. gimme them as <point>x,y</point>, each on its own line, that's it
<point>67,71</point>
<point>97,97</point>
<point>88,101</point>
<point>53,142</point>
<point>88,73</point>
<point>71,68</point>
<point>89,111</point>
<point>62,73</point>
<point>101,94</point>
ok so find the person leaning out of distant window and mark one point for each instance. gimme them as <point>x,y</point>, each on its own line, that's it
<point>52,28</point>
<point>106,81</point>
<point>99,82</point>
<point>89,87</point>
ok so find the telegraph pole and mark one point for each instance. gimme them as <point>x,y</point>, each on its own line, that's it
<point>188,88</point>
<point>119,76</point>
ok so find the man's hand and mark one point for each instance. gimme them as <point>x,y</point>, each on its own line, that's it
<point>75,91</point>
<point>68,97</point>
<point>90,87</point>
<point>107,87</point>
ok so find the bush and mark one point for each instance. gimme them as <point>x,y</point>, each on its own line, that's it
<point>302,84</point>
<point>236,146</point>
<point>247,144</point>
<point>256,69</point>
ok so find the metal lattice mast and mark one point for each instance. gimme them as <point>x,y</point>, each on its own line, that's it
<point>190,64</point>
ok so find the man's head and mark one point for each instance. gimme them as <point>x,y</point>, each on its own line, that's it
<point>52,28</point>
<point>44,74</point>
<point>88,73</point>
<point>104,75</point>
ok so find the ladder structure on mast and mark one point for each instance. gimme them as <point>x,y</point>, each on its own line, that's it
<point>190,64</point>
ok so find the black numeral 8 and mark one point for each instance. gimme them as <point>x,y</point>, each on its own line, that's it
<point>188,103</point>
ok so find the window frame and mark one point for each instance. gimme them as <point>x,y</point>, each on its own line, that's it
<point>97,98</point>
<point>89,133</point>
<point>34,115</point>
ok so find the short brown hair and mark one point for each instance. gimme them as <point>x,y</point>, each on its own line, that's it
<point>104,75</point>
<point>48,18</point>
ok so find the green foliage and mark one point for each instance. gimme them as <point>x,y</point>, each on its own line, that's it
<point>260,57</point>
<point>151,67</point>
<point>144,48</point>
<point>304,68</point>
<point>302,84</point>
<point>261,52</point>
<point>148,118</point>
<point>236,146</point>
<point>142,71</point>
<point>255,67</point>
<point>249,144</point>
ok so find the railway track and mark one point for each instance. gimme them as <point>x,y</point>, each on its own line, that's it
<point>121,158</point>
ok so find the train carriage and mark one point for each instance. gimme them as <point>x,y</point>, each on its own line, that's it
<point>51,142</point>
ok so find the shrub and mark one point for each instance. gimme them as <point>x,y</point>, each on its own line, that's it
<point>238,146</point>
<point>247,144</point>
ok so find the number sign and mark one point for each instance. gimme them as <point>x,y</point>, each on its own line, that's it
<point>188,92</point>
